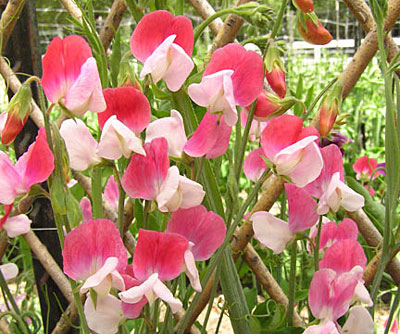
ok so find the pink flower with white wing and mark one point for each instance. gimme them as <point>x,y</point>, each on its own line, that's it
<point>70,76</point>
<point>205,232</point>
<point>151,178</point>
<point>365,168</point>
<point>330,188</point>
<point>233,77</point>
<point>275,233</point>
<point>158,258</point>
<point>292,149</point>
<point>94,253</point>
<point>164,44</point>
<point>34,166</point>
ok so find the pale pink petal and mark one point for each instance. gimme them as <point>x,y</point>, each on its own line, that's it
<point>179,68</point>
<point>191,271</point>
<point>350,200</point>
<point>362,294</point>
<point>9,270</point>
<point>117,140</point>
<point>86,91</point>
<point>145,175</point>
<point>166,295</point>
<point>190,192</point>
<point>330,199</point>
<point>195,225</point>
<point>302,214</point>
<point>323,328</point>
<point>342,292</point>
<point>106,316</point>
<point>169,199</point>
<point>158,252</point>
<point>172,129</point>
<point>359,322</point>
<point>86,208</point>
<point>270,231</point>
<point>111,192</point>
<point>17,225</point>
<point>254,165</point>
<point>88,246</point>
<point>343,256</point>
<point>80,144</point>
<point>132,311</point>
<point>10,180</point>
<point>134,294</point>
<point>100,280</point>
<point>226,103</point>
<point>319,293</point>
<point>36,164</point>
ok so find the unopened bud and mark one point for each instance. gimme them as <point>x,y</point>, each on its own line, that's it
<point>329,109</point>
<point>254,13</point>
<point>311,29</point>
<point>274,71</point>
<point>306,6</point>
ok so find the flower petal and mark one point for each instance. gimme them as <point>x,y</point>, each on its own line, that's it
<point>191,271</point>
<point>11,183</point>
<point>166,295</point>
<point>254,165</point>
<point>168,199</point>
<point>111,192</point>
<point>134,294</point>
<point>359,322</point>
<point>17,225</point>
<point>97,280</point>
<point>191,193</point>
<point>9,270</point>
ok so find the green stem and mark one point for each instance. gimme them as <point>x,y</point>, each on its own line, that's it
<point>317,242</point>
<point>155,316</point>
<point>121,202</point>
<point>146,212</point>
<point>79,306</point>
<point>211,302</point>
<point>4,287</point>
<point>97,193</point>
<point>393,309</point>
<point>292,284</point>
<point>168,312</point>
<point>200,168</point>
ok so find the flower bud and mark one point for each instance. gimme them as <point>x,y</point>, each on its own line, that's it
<point>255,13</point>
<point>329,109</point>
<point>311,29</point>
<point>306,6</point>
<point>274,71</point>
<point>17,114</point>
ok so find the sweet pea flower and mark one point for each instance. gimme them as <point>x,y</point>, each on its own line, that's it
<point>164,44</point>
<point>365,168</point>
<point>172,129</point>
<point>9,270</point>
<point>211,138</point>
<point>70,76</point>
<point>256,127</point>
<point>158,258</point>
<point>34,166</point>
<point>275,233</point>
<point>94,253</point>
<point>16,225</point>
<point>233,77</point>
<point>254,165</point>
<point>150,177</point>
<point>205,231</point>
<point>292,149</point>
<point>330,188</point>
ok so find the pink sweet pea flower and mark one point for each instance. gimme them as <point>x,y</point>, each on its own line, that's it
<point>16,225</point>
<point>158,258</point>
<point>394,329</point>
<point>130,106</point>
<point>9,270</point>
<point>254,165</point>
<point>330,188</point>
<point>111,192</point>
<point>256,127</point>
<point>80,144</point>
<point>204,230</point>
<point>365,167</point>
<point>275,233</point>
<point>94,253</point>
<point>358,322</point>
<point>172,129</point>
<point>233,77</point>
<point>211,138</point>
<point>86,207</point>
<point>164,44</point>
<point>34,166</point>
<point>70,76</point>
<point>292,149</point>
<point>150,177</point>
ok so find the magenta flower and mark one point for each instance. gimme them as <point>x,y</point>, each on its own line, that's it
<point>16,225</point>
<point>111,192</point>
<point>70,76</point>
<point>233,77</point>
<point>365,168</point>
<point>254,165</point>
<point>94,253</point>
<point>150,177</point>
<point>275,233</point>
<point>292,149</point>
<point>164,44</point>
<point>34,166</point>
<point>211,138</point>
<point>204,230</point>
<point>158,258</point>
<point>330,188</point>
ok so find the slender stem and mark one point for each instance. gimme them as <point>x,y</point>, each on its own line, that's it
<point>393,309</point>
<point>146,211</point>
<point>210,304</point>
<point>201,27</point>
<point>319,96</point>
<point>155,316</point>
<point>10,297</point>
<point>121,202</point>
<point>168,312</point>
<point>79,306</point>
<point>239,161</point>
<point>200,168</point>
<point>317,242</point>
<point>97,193</point>
<point>292,284</point>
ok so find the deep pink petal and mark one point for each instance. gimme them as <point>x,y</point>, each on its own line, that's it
<point>319,295</point>
<point>342,294</point>
<point>86,208</point>
<point>302,214</point>
<point>111,193</point>
<point>222,137</point>
<point>329,235</point>
<point>343,256</point>
<point>347,229</point>
<point>280,133</point>
<point>248,74</point>
<point>145,174</point>
<point>254,165</point>
<point>132,311</point>
<point>7,210</point>
<point>36,164</point>
<point>11,183</point>
<point>88,246</point>
<point>206,230</point>
<point>365,165</point>
<point>155,27</point>
<point>158,252</point>
<point>129,105</point>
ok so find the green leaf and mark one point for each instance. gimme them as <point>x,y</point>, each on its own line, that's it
<point>251,297</point>
<point>115,58</point>
<point>74,212</point>
<point>57,196</point>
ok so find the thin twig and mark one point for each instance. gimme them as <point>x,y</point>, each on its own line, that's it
<point>205,10</point>
<point>72,8</point>
<point>69,316</point>
<point>112,22</point>
<point>9,18</point>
